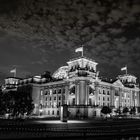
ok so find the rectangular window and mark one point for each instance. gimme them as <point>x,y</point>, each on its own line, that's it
<point>63,90</point>
<point>108,93</point>
<point>54,98</point>
<point>50,98</point>
<point>104,92</point>
<point>73,101</point>
<point>54,91</point>
<point>90,103</point>
<point>108,98</point>
<point>41,92</point>
<point>103,98</point>
<point>59,91</point>
<point>99,91</point>
<point>59,97</point>
<point>53,112</point>
<point>57,112</point>
<point>59,103</point>
<point>116,93</point>
<point>47,93</point>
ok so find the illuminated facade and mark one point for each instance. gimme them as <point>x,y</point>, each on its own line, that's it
<point>79,86</point>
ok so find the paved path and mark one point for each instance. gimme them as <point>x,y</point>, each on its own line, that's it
<point>56,128</point>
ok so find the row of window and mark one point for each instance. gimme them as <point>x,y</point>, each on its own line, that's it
<point>54,98</point>
<point>104,104</point>
<point>108,99</point>
<point>52,112</point>
<point>53,104</point>
<point>104,92</point>
<point>55,91</point>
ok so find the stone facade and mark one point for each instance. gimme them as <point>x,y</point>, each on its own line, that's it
<point>79,86</point>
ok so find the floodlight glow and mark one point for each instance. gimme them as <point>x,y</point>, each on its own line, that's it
<point>59,122</point>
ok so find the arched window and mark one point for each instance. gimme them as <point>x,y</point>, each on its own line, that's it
<point>72,90</point>
<point>91,90</point>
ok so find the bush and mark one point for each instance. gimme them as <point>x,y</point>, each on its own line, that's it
<point>106,110</point>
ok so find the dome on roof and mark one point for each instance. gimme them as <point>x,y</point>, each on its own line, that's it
<point>61,73</point>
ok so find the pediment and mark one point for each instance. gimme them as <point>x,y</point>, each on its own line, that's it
<point>118,83</point>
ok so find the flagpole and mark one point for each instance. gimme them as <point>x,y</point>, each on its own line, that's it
<point>126,69</point>
<point>15,72</point>
<point>82,51</point>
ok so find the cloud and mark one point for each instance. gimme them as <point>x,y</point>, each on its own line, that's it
<point>108,29</point>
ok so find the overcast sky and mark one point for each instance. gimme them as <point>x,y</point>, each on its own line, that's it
<point>39,35</point>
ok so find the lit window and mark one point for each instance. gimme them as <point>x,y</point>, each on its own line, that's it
<point>50,91</point>
<point>41,92</point>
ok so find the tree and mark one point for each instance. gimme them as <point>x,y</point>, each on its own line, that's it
<point>133,111</point>
<point>17,103</point>
<point>106,110</point>
<point>23,101</point>
<point>47,75</point>
<point>118,111</point>
<point>125,110</point>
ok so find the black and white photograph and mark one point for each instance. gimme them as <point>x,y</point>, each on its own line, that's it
<point>70,69</point>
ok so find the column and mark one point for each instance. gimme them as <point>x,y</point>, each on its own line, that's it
<point>82,95</point>
<point>120,97</point>
<point>112,96</point>
<point>66,94</point>
<point>96,94</point>
<point>77,93</point>
<point>87,94</point>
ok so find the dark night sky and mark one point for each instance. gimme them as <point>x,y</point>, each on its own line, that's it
<point>39,35</point>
